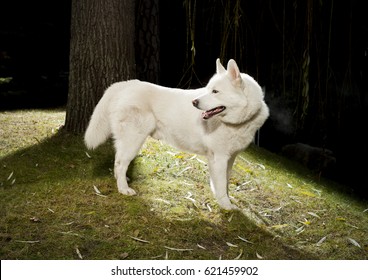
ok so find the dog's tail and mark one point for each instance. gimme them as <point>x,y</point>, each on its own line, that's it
<point>98,130</point>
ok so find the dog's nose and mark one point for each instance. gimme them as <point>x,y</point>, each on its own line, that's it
<point>195,102</point>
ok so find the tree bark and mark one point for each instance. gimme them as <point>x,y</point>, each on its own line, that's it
<point>101,53</point>
<point>148,41</point>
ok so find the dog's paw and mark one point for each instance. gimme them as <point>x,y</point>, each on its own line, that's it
<point>225,203</point>
<point>127,191</point>
<point>231,207</point>
<point>228,206</point>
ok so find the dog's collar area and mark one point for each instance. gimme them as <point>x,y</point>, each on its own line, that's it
<point>210,113</point>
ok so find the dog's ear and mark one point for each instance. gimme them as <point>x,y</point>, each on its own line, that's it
<point>233,72</point>
<point>219,68</point>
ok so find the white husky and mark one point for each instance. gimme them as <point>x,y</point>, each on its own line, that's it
<point>217,121</point>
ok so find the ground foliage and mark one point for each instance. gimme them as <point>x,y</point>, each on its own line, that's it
<point>60,201</point>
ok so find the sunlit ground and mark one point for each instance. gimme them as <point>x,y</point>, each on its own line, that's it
<point>60,201</point>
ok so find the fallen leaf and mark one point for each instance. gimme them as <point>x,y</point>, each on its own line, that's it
<point>189,197</point>
<point>35,220</point>
<point>157,257</point>
<point>259,256</point>
<point>163,200</point>
<point>201,247</point>
<point>138,239</point>
<point>245,240</point>
<point>124,256</point>
<point>350,225</point>
<point>314,214</point>
<point>277,209</point>
<point>177,249</point>
<point>231,245</point>
<point>78,253</point>
<point>96,189</point>
<point>208,207</point>
<point>317,191</point>
<point>319,243</point>
<point>354,242</point>
<point>28,241</point>
<point>300,229</point>
<point>11,175</point>
<point>185,169</point>
<point>201,161</point>
<point>69,233</point>
<point>68,224</point>
<point>261,166</point>
<point>240,254</point>
<point>246,183</point>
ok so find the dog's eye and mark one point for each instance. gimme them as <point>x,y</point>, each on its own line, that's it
<point>215,91</point>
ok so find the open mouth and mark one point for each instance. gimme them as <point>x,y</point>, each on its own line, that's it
<point>210,113</point>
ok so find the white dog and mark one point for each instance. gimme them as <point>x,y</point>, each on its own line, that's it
<point>217,121</point>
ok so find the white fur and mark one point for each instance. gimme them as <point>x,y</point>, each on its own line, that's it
<point>133,110</point>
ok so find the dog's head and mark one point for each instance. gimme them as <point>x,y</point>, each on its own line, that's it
<point>232,96</point>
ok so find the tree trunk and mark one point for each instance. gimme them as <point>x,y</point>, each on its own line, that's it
<point>101,53</point>
<point>148,41</point>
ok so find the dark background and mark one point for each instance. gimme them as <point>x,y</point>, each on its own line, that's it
<point>270,43</point>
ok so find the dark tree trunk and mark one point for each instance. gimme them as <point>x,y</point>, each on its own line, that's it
<point>148,41</point>
<point>101,53</point>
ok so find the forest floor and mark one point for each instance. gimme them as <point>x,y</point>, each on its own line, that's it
<point>60,201</point>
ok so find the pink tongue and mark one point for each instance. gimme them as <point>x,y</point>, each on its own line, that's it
<point>210,113</point>
<point>206,115</point>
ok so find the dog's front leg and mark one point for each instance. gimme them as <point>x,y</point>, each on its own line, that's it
<point>219,174</point>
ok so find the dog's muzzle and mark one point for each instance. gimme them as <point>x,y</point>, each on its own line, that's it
<point>209,113</point>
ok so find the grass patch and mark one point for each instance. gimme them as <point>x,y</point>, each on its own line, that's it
<point>59,202</point>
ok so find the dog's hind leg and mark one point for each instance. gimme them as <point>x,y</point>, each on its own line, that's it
<point>129,135</point>
<point>220,167</point>
<point>125,153</point>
